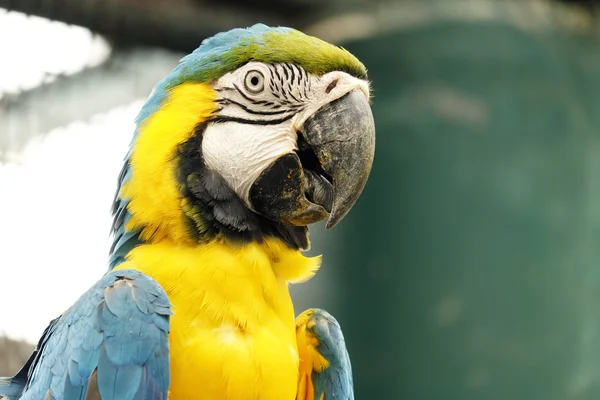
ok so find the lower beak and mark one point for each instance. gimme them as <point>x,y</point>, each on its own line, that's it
<point>327,175</point>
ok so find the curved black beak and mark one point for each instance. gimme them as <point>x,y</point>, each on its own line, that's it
<point>342,136</point>
<point>327,174</point>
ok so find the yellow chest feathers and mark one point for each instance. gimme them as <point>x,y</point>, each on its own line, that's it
<point>232,332</point>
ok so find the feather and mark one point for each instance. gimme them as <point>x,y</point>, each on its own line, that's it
<point>104,344</point>
<point>326,364</point>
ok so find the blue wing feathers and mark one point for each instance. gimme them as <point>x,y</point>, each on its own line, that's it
<point>149,389</point>
<point>115,335</point>
<point>12,388</point>
<point>117,381</point>
<point>336,380</point>
<point>75,389</point>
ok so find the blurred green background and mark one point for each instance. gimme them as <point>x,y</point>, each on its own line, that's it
<point>469,268</point>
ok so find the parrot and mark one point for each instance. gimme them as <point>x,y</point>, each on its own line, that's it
<point>254,136</point>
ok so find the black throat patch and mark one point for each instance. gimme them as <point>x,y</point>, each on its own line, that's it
<point>213,208</point>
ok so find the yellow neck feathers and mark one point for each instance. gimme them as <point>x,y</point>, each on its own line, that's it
<point>218,265</point>
<point>156,203</point>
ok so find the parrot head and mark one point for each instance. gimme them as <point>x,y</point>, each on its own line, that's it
<point>258,133</point>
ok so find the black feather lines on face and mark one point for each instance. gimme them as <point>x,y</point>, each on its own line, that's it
<point>213,208</point>
<point>286,90</point>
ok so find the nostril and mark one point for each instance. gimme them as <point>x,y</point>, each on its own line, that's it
<point>331,86</point>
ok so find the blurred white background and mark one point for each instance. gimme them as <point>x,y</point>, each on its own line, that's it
<point>55,194</point>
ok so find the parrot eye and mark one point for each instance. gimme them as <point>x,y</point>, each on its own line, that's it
<point>254,82</point>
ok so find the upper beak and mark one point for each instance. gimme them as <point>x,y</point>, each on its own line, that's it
<point>342,135</point>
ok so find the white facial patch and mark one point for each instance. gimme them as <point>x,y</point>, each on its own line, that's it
<point>241,152</point>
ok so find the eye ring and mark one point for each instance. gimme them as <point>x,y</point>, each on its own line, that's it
<point>254,81</point>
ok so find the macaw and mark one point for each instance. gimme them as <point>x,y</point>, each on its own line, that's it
<point>255,135</point>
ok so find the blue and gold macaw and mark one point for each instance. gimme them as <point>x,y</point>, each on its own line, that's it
<point>252,137</point>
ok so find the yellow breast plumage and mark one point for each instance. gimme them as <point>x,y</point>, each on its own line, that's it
<point>232,332</point>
